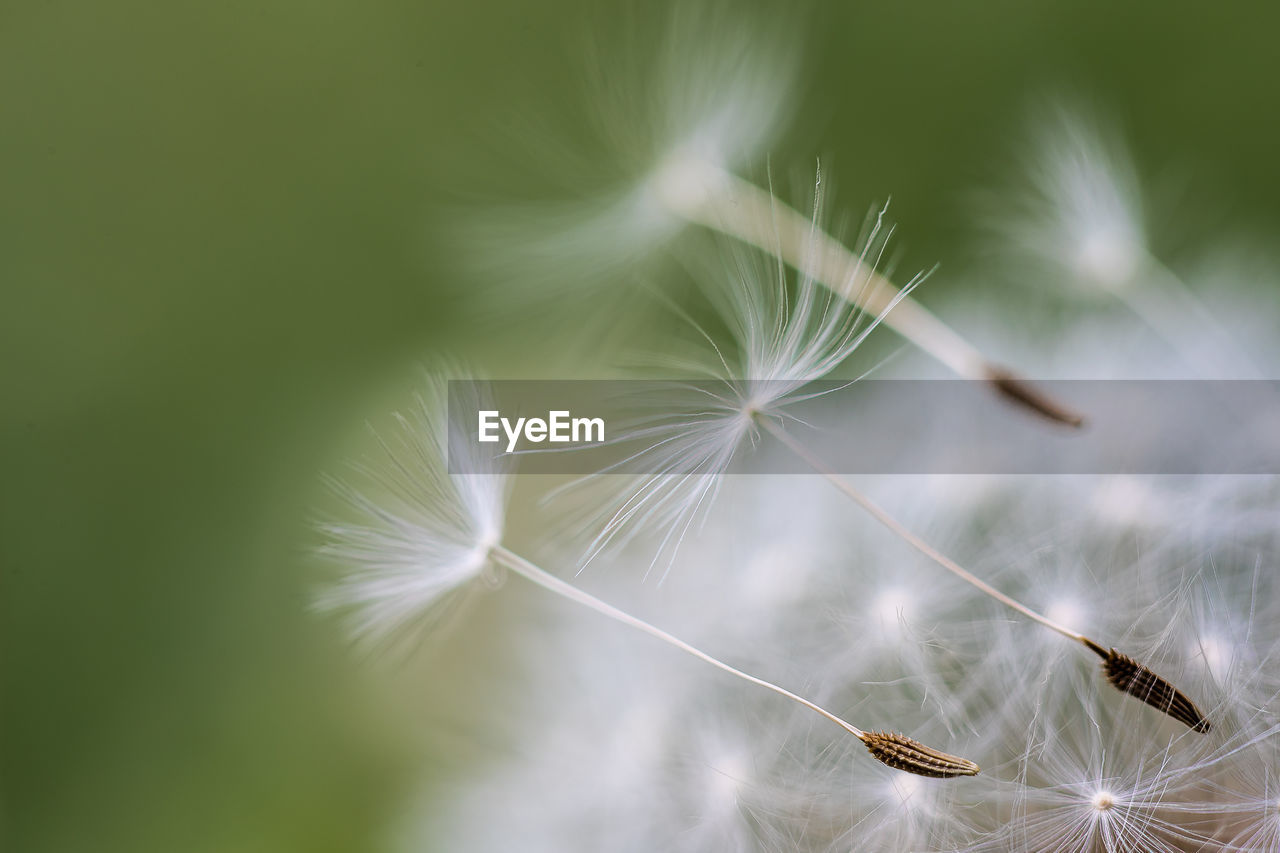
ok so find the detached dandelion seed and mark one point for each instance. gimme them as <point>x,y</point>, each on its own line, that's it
<point>1082,215</point>
<point>782,342</point>
<point>718,102</point>
<point>1122,672</point>
<point>703,193</point>
<point>411,556</point>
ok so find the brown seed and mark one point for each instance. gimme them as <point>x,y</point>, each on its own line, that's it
<point>1024,393</point>
<point>1135,679</point>
<point>902,753</point>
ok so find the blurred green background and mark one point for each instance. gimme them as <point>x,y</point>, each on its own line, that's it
<point>216,255</point>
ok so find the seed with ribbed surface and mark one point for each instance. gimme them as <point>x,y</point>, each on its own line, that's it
<point>1135,679</point>
<point>902,753</point>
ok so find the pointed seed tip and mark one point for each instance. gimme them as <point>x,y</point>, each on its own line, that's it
<point>1129,676</point>
<point>1022,392</point>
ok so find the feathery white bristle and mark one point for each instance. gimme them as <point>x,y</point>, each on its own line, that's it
<point>679,127</point>
<point>1080,207</point>
<point>670,112</point>
<point>1079,220</point>
<point>422,533</point>
<point>780,342</point>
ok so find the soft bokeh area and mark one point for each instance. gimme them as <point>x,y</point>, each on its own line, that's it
<point>230,232</point>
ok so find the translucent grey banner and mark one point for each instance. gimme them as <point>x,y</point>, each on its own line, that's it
<point>866,427</point>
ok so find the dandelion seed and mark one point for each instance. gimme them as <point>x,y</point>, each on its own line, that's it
<point>903,753</point>
<point>1122,500</point>
<point>1082,214</point>
<point>412,556</point>
<point>1122,672</point>
<point>893,606</point>
<point>1129,676</point>
<point>711,768</point>
<point>713,118</point>
<point>740,209</point>
<point>783,341</point>
<point>662,99</point>
<point>426,538</point>
<point>1020,391</point>
<point>1104,801</point>
<point>1064,611</point>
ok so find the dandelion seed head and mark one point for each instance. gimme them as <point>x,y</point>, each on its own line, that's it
<point>1103,801</point>
<point>1218,656</point>
<point>672,105</point>
<point>687,178</point>
<point>1128,501</point>
<point>422,534</point>
<point>1092,208</point>
<point>1065,611</point>
<point>781,338</point>
<point>682,116</point>
<point>1080,210</point>
<point>893,607</point>
<point>1104,253</point>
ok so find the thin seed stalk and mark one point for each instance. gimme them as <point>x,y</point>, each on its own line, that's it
<point>895,750</point>
<point>740,209</point>
<point>1121,671</point>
